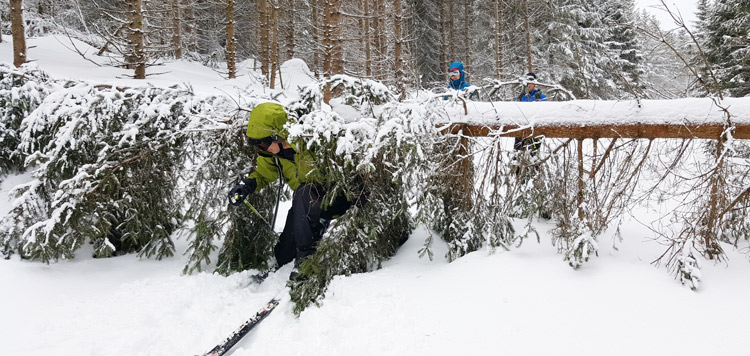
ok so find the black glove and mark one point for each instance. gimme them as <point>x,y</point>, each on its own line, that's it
<point>240,191</point>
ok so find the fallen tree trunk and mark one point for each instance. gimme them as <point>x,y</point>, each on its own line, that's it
<point>703,118</point>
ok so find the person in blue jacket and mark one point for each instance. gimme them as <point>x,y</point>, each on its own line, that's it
<point>457,76</point>
<point>530,95</point>
<point>458,80</point>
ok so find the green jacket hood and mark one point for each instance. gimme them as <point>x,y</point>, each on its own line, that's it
<point>265,120</point>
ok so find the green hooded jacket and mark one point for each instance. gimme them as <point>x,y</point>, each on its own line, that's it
<point>268,119</point>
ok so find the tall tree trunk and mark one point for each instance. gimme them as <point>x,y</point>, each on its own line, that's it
<point>137,55</point>
<point>451,30</point>
<point>382,44</point>
<point>498,38</point>
<point>316,37</point>
<point>581,184</point>
<point>327,48</point>
<point>467,42</point>
<point>398,48</point>
<point>19,38</point>
<point>274,44</point>
<point>332,53</point>
<point>290,13</point>
<point>528,35</point>
<point>713,249</point>
<point>444,37</point>
<point>265,33</point>
<point>231,41</point>
<point>176,29</point>
<point>365,24</point>
<point>188,36</point>
<point>338,39</point>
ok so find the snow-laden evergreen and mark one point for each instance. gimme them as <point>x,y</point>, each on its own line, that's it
<point>105,162</point>
<point>21,91</point>
<point>728,46</point>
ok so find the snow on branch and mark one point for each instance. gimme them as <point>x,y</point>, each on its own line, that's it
<point>681,118</point>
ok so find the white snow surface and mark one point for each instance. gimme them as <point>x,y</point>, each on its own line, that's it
<point>587,112</point>
<point>523,302</point>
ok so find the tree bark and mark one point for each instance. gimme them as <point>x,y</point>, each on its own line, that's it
<point>176,29</point>
<point>316,37</point>
<point>382,44</point>
<point>467,41</point>
<point>188,36</point>
<point>498,38</point>
<point>451,31</point>
<point>265,33</point>
<point>713,249</point>
<point>137,55</point>
<point>274,44</point>
<point>231,54</point>
<point>444,38</point>
<point>635,130</point>
<point>398,48</point>
<point>366,39</point>
<point>17,29</point>
<point>290,13</point>
<point>528,35</point>
<point>338,40</point>
<point>581,184</point>
<point>332,50</point>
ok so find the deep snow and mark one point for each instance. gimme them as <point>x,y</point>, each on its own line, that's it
<point>523,302</point>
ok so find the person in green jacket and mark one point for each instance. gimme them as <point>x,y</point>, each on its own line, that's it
<point>307,220</point>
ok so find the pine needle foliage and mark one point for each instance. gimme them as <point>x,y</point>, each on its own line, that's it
<point>367,160</point>
<point>219,157</point>
<point>105,163</point>
<point>21,91</point>
<point>448,200</point>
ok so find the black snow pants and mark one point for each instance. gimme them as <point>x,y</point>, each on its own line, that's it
<point>306,223</point>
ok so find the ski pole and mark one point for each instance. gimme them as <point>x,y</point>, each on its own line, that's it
<point>260,216</point>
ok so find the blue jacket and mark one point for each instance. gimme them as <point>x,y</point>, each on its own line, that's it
<point>460,83</point>
<point>532,96</point>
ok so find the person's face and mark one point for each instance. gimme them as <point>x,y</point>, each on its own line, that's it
<point>274,148</point>
<point>454,74</point>
<point>531,86</point>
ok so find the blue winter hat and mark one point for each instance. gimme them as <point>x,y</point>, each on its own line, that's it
<point>456,65</point>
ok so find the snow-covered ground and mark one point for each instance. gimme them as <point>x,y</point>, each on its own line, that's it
<point>523,302</point>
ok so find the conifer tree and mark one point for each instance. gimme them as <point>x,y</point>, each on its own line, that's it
<point>427,45</point>
<point>728,47</point>
<point>624,50</point>
<point>105,163</point>
<point>21,92</point>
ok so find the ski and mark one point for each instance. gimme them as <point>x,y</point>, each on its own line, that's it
<point>245,328</point>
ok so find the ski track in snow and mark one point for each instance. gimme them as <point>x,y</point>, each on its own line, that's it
<point>523,302</point>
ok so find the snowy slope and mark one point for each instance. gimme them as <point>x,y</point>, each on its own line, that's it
<point>523,302</point>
